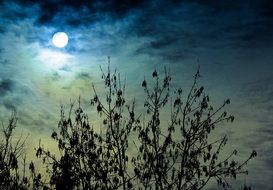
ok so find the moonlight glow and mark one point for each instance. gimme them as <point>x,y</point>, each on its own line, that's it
<point>60,39</point>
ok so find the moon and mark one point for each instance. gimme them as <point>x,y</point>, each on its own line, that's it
<point>60,39</point>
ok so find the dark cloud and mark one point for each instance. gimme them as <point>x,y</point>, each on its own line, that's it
<point>198,25</point>
<point>181,29</point>
<point>263,7</point>
<point>267,133</point>
<point>6,86</point>
<point>12,94</point>
<point>163,42</point>
<point>83,75</point>
<point>265,154</point>
<point>36,124</point>
<point>55,76</point>
<point>260,93</point>
<point>11,104</point>
<point>66,68</point>
<point>51,9</point>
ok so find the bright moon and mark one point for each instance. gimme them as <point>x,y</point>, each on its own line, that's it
<point>60,39</point>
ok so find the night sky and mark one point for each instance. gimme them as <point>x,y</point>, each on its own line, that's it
<point>232,41</point>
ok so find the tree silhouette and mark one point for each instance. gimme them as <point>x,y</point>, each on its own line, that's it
<point>190,160</point>
<point>91,160</point>
<point>170,153</point>
<point>9,155</point>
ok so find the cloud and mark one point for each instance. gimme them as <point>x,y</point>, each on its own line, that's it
<point>256,120</point>
<point>259,93</point>
<point>6,86</point>
<point>12,93</point>
<point>193,27</point>
<point>83,75</point>
<point>75,13</point>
